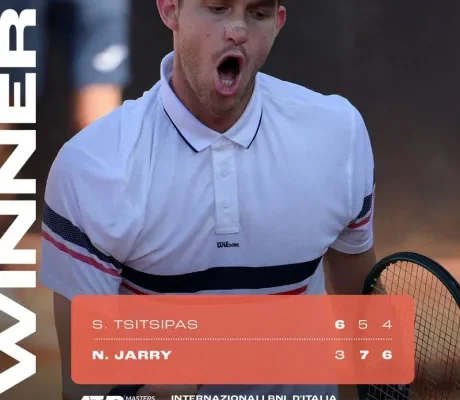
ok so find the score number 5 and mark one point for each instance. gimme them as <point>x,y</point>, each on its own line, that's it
<point>362,324</point>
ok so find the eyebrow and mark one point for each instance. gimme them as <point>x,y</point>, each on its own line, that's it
<point>265,3</point>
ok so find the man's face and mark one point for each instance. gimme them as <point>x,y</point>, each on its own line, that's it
<point>222,44</point>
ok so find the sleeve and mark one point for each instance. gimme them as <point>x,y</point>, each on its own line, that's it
<point>358,236</point>
<point>76,244</point>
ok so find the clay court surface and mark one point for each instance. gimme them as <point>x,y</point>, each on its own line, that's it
<point>46,383</point>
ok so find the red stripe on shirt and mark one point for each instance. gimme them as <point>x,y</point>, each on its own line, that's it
<point>291,292</point>
<point>131,289</point>
<point>360,223</point>
<point>80,257</point>
<point>294,291</point>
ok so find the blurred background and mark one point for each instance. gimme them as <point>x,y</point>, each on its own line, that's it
<point>397,62</point>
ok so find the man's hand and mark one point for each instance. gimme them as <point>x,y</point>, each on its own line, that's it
<point>166,391</point>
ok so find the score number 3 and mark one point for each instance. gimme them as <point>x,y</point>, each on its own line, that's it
<point>362,324</point>
<point>386,355</point>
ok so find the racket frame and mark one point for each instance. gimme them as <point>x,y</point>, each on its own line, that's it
<point>446,278</point>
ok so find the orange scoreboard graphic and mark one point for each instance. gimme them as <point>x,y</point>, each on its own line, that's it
<point>243,339</point>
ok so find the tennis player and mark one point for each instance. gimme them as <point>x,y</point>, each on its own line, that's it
<point>219,179</point>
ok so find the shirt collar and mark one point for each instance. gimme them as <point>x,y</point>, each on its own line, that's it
<point>197,135</point>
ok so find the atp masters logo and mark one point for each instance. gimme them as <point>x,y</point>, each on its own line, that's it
<point>24,210</point>
<point>118,398</point>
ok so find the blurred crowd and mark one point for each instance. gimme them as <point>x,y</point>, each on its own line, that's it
<point>97,33</point>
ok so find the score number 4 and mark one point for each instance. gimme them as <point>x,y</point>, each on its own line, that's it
<point>386,355</point>
<point>362,324</point>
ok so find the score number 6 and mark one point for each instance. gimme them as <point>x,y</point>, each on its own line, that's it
<point>386,355</point>
<point>362,324</point>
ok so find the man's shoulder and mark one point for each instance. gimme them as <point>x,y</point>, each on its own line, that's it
<point>289,94</point>
<point>119,129</point>
<point>108,150</point>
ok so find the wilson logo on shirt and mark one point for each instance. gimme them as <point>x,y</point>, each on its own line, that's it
<point>227,244</point>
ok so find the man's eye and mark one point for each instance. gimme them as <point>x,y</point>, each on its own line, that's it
<point>258,15</point>
<point>217,10</point>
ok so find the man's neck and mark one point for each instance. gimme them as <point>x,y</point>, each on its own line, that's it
<point>219,123</point>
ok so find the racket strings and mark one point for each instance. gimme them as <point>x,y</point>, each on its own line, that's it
<point>437,329</point>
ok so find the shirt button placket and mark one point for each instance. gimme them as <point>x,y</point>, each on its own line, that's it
<point>225,187</point>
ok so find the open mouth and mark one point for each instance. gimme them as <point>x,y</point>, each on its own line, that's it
<point>228,72</point>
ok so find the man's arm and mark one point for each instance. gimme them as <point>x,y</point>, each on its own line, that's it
<point>76,243</point>
<point>351,257</point>
<point>345,273</point>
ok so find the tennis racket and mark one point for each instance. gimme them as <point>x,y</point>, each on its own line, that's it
<point>437,326</point>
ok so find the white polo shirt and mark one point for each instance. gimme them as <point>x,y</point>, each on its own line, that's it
<point>148,200</point>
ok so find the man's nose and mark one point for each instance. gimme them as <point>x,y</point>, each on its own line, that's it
<point>237,33</point>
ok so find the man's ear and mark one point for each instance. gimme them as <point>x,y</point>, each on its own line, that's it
<point>281,20</point>
<point>169,11</point>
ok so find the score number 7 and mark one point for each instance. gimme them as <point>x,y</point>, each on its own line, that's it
<point>362,324</point>
<point>386,355</point>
